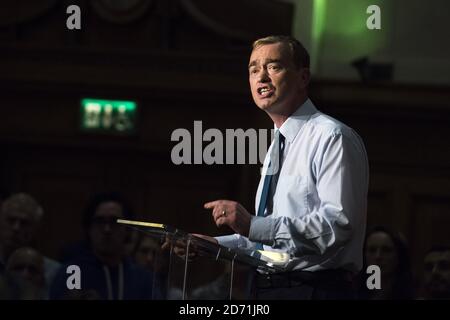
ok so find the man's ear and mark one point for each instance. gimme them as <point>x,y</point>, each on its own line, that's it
<point>305,77</point>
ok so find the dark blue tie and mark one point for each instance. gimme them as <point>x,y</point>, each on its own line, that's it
<point>271,177</point>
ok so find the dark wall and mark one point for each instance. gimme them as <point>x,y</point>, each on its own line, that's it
<point>179,70</point>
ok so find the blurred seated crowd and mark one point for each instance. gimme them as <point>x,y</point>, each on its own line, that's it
<point>119,263</point>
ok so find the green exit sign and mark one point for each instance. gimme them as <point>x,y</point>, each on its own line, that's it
<point>108,116</point>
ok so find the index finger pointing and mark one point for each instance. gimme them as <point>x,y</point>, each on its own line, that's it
<point>210,205</point>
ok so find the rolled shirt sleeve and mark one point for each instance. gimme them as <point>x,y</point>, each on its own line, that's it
<point>236,241</point>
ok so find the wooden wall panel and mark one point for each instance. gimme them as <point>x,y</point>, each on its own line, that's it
<point>46,70</point>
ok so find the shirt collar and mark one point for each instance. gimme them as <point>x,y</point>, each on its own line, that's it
<point>295,122</point>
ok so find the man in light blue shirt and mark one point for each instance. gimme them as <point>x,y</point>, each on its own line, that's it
<point>312,198</point>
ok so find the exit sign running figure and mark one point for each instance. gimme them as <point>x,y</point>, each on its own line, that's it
<point>108,116</point>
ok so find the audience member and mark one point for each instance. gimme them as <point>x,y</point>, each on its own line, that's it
<point>106,271</point>
<point>25,267</point>
<point>149,255</point>
<point>20,218</point>
<point>436,277</point>
<point>388,250</point>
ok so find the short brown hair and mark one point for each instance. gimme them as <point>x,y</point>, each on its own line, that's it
<point>299,54</point>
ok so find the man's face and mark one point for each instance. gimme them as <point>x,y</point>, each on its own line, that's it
<point>381,251</point>
<point>146,253</point>
<point>106,235</point>
<point>437,274</point>
<point>275,81</point>
<point>17,228</point>
<point>28,265</point>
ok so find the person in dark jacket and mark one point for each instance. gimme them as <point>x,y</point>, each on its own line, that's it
<point>106,272</point>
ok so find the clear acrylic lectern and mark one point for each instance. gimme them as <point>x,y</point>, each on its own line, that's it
<point>191,268</point>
